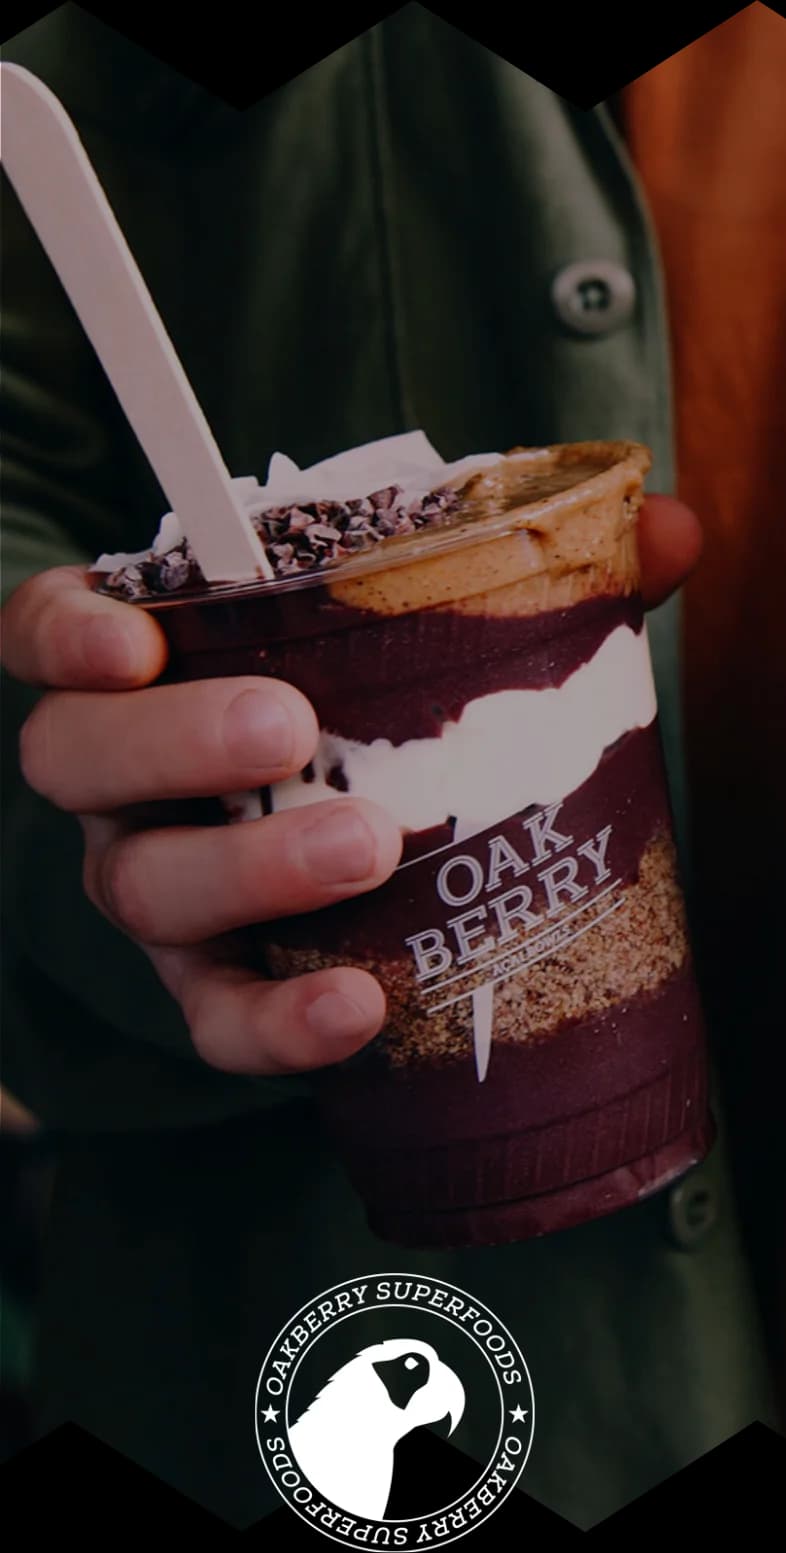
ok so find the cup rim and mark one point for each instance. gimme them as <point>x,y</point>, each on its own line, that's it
<point>620,462</point>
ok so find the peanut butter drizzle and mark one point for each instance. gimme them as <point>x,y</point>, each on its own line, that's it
<point>569,533</point>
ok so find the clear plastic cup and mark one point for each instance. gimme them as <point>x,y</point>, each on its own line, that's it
<point>489,682</point>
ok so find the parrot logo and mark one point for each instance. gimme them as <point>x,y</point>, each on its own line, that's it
<point>344,1442</point>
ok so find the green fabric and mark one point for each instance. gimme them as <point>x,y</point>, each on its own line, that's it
<point>357,255</point>
<point>15,1340</point>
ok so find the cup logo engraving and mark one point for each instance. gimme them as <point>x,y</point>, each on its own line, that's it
<point>505,929</point>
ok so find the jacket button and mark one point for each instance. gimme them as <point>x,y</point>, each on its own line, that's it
<point>692,1212</point>
<point>594,296</point>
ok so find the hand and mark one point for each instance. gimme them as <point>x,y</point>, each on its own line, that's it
<point>104,742</point>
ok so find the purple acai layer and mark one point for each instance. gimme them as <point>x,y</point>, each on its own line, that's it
<point>602,1091</point>
<point>393,677</point>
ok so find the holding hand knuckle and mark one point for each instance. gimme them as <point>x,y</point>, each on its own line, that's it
<point>126,898</point>
<point>15,616</point>
<point>35,751</point>
<point>90,880</point>
<point>205,1039</point>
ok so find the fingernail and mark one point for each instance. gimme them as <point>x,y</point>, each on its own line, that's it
<point>258,730</point>
<point>108,648</point>
<point>339,849</point>
<point>333,1015</point>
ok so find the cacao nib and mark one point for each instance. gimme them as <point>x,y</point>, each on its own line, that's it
<point>296,539</point>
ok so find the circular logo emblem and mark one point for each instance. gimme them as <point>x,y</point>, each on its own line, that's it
<point>363,1396</point>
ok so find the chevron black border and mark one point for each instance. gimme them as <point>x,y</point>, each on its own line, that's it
<point>71,1480</point>
<point>240,54</point>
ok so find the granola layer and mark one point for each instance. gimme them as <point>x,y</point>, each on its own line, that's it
<point>626,944</point>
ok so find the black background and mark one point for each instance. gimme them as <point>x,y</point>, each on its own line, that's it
<point>70,1485</point>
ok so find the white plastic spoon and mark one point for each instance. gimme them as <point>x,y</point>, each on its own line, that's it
<point>482,1027</point>
<point>66,205</point>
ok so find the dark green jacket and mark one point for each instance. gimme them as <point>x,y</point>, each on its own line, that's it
<point>369,250</point>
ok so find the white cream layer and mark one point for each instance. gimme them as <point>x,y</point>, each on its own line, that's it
<point>506,751</point>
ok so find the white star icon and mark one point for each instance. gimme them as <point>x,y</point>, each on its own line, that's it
<point>270,1414</point>
<point>518,1414</point>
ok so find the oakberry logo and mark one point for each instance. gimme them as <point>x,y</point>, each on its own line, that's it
<point>349,1389</point>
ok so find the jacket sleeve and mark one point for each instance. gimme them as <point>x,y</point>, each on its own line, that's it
<point>91,1038</point>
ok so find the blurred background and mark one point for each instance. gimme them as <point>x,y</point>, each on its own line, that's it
<point>27,1156</point>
